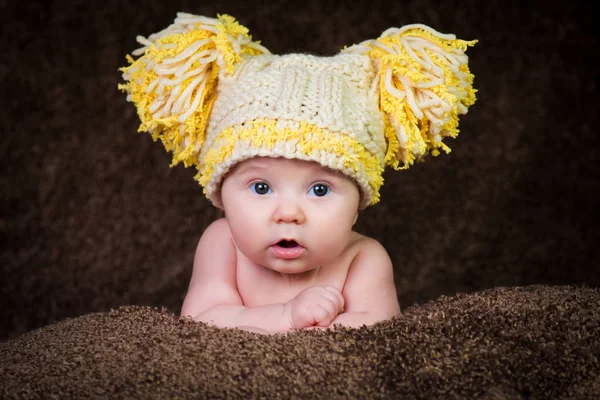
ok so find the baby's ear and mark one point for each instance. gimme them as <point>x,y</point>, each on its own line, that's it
<point>424,84</point>
<point>217,200</point>
<point>174,82</point>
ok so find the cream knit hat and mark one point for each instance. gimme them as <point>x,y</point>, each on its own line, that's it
<point>216,98</point>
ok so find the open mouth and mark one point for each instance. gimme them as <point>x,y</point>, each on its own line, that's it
<point>287,249</point>
<point>287,244</point>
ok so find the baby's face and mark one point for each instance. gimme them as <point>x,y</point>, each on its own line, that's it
<point>289,215</point>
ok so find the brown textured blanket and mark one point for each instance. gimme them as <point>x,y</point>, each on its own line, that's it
<point>91,217</point>
<point>537,342</point>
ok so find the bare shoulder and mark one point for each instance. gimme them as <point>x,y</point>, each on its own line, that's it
<point>370,261</point>
<point>213,273</point>
<point>366,248</point>
<point>215,247</point>
<point>216,236</point>
<point>219,228</point>
<point>370,283</point>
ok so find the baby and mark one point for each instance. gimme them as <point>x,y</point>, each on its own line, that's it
<point>291,148</point>
<point>285,255</point>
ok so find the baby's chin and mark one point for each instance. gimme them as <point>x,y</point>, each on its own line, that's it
<point>304,264</point>
<point>290,267</point>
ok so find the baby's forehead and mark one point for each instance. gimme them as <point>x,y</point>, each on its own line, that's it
<point>275,164</point>
<point>267,167</point>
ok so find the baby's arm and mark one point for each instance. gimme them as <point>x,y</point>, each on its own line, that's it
<point>212,295</point>
<point>369,290</point>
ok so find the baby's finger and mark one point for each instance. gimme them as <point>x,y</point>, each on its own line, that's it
<point>322,315</point>
<point>317,327</point>
<point>254,329</point>
<point>338,296</point>
<point>332,298</point>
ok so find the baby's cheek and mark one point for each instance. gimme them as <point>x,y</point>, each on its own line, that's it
<point>247,227</point>
<point>245,240</point>
<point>331,242</point>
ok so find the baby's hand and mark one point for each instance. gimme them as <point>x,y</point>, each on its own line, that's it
<point>314,306</point>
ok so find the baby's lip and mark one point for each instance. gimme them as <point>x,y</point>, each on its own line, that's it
<point>287,249</point>
<point>287,243</point>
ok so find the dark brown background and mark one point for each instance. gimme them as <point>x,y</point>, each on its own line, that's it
<point>91,217</point>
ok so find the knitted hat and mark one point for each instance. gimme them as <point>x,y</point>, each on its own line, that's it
<point>215,98</point>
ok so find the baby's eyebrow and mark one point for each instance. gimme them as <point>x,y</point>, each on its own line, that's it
<point>247,168</point>
<point>331,173</point>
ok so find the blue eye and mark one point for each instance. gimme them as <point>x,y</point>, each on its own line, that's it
<point>319,190</point>
<point>260,188</point>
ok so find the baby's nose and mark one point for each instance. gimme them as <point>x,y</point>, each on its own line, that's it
<point>289,212</point>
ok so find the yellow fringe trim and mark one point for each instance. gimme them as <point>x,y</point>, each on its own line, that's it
<point>158,80</point>
<point>312,142</point>
<point>456,92</point>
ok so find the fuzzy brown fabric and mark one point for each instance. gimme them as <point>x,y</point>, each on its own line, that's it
<point>525,343</point>
<point>91,217</point>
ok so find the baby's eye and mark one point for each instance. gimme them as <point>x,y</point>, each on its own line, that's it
<point>319,190</point>
<point>260,188</point>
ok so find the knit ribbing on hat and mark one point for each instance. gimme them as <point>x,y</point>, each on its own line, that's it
<point>294,140</point>
<point>319,109</point>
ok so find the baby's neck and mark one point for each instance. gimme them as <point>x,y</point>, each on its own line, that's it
<point>306,278</point>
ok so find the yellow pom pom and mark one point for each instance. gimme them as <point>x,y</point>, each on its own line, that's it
<point>424,83</point>
<point>174,81</point>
